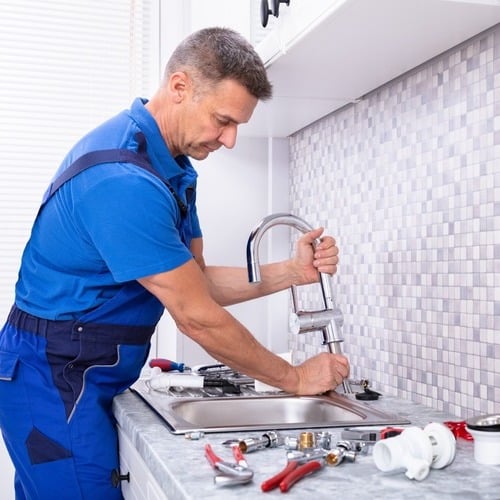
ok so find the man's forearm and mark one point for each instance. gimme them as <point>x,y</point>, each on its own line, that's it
<point>230,343</point>
<point>230,285</point>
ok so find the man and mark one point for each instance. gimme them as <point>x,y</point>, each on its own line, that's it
<point>117,239</point>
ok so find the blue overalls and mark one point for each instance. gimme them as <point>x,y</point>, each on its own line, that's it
<point>58,378</point>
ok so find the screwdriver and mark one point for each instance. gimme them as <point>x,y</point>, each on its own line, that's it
<point>167,365</point>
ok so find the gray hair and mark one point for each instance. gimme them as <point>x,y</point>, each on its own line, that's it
<point>211,55</point>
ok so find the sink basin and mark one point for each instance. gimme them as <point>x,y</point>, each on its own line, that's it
<point>264,412</point>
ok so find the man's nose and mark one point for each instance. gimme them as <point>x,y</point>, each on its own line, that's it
<point>228,136</point>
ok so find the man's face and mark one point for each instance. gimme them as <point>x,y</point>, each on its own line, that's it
<point>210,120</point>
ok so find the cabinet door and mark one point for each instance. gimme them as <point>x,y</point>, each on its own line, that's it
<point>7,476</point>
<point>294,21</point>
<point>142,485</point>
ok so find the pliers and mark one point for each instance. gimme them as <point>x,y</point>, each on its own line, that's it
<point>229,473</point>
<point>298,466</point>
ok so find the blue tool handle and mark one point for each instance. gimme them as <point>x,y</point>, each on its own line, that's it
<point>166,365</point>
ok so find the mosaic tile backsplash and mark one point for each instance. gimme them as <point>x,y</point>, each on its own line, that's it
<point>408,181</point>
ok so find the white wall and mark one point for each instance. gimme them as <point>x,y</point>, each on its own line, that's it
<point>236,189</point>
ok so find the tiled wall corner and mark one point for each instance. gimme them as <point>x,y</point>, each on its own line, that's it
<point>408,181</point>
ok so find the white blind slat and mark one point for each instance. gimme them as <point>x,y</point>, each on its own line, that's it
<point>64,68</point>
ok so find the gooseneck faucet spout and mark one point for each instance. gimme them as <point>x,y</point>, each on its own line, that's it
<point>329,319</point>
<point>256,235</point>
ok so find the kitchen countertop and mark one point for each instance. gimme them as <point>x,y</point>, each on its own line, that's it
<point>182,471</point>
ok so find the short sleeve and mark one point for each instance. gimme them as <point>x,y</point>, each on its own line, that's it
<point>132,222</point>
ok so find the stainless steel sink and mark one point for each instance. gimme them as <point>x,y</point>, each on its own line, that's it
<point>264,412</point>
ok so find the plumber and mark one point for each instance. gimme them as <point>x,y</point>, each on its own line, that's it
<point>116,240</point>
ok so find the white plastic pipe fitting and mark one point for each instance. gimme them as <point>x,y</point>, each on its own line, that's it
<point>485,429</point>
<point>165,380</point>
<point>416,450</point>
<point>486,447</point>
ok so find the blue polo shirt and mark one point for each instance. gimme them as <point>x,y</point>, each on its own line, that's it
<point>110,224</point>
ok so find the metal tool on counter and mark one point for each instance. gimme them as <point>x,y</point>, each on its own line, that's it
<point>362,441</point>
<point>312,440</point>
<point>194,435</point>
<point>308,440</point>
<point>166,380</point>
<point>270,439</point>
<point>215,371</point>
<point>229,473</point>
<point>309,451</point>
<point>202,376</point>
<point>370,435</point>
<point>345,450</point>
<point>208,370</point>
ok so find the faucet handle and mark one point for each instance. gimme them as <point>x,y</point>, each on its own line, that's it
<point>310,321</point>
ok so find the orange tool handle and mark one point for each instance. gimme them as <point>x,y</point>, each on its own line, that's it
<point>298,474</point>
<point>275,481</point>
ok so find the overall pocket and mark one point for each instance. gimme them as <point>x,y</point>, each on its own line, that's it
<point>8,365</point>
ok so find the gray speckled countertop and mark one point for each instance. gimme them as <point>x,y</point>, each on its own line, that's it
<point>181,469</point>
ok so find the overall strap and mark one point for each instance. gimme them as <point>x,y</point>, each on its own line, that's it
<point>104,156</point>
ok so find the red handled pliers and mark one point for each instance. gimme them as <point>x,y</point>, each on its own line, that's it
<point>293,472</point>
<point>229,473</point>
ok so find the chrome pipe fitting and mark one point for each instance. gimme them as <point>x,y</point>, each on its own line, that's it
<point>270,439</point>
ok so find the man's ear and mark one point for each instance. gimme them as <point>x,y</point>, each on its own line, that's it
<point>178,85</point>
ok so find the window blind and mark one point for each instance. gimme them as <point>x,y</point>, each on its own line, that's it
<point>64,68</point>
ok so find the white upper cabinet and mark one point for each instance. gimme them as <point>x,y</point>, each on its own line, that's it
<point>324,54</point>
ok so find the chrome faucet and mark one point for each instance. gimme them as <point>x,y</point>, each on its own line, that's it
<point>329,319</point>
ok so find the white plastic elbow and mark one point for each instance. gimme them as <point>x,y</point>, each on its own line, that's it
<point>416,450</point>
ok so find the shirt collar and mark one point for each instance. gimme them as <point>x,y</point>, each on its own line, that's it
<point>158,152</point>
